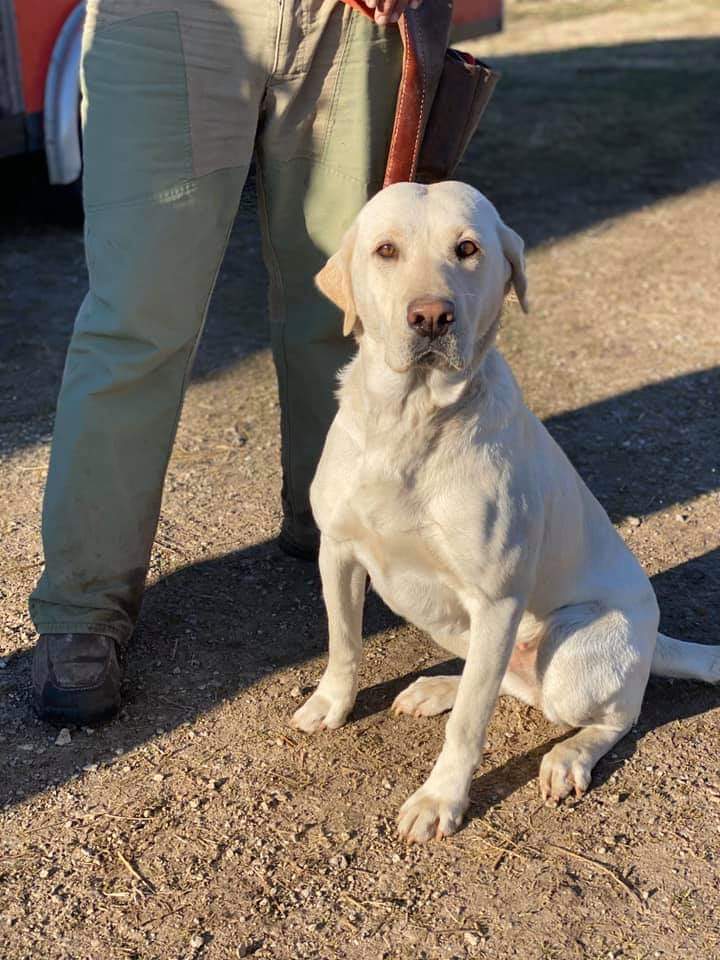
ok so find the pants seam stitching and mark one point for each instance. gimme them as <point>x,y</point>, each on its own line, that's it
<point>189,152</point>
<point>180,190</point>
<point>287,444</point>
<point>376,181</point>
<point>330,126</point>
<point>188,363</point>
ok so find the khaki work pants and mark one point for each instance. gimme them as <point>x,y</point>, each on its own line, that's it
<point>178,96</point>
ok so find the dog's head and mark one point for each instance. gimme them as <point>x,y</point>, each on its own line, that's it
<point>424,270</point>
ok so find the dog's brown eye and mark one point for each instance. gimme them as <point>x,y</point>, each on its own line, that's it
<point>466,249</point>
<point>387,251</point>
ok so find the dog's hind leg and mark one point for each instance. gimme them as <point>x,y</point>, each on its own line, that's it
<point>593,668</point>
<point>427,697</point>
<point>567,768</point>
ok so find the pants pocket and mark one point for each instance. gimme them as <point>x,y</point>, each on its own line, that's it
<point>362,109</point>
<point>136,129</point>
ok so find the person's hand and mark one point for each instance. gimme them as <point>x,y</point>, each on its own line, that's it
<point>390,11</point>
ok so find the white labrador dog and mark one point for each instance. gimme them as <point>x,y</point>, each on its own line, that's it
<point>440,484</point>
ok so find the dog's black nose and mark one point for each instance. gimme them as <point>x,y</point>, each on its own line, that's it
<point>431,318</point>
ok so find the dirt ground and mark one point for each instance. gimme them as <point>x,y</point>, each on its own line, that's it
<point>198,825</point>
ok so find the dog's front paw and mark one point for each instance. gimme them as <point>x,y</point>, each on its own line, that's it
<point>427,814</point>
<point>322,712</point>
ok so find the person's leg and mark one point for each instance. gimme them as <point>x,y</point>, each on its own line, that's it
<point>171,99</point>
<point>322,148</point>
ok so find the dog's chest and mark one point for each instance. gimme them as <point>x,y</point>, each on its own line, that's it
<point>385,495</point>
<point>397,538</point>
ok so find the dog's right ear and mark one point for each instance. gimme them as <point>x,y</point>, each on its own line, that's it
<point>334,281</point>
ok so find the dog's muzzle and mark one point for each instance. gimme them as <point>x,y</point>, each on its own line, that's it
<point>432,319</point>
<point>442,352</point>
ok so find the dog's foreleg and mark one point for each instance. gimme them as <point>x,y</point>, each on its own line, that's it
<point>437,808</point>
<point>343,582</point>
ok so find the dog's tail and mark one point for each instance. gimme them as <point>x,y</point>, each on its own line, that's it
<point>686,661</point>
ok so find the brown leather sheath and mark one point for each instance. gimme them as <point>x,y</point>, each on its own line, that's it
<point>442,96</point>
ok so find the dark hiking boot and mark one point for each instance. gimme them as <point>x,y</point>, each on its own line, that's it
<point>299,536</point>
<point>306,549</point>
<point>76,678</point>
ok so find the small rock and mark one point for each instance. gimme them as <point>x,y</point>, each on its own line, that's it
<point>3,664</point>
<point>387,785</point>
<point>90,767</point>
<point>681,517</point>
<point>634,521</point>
<point>158,777</point>
<point>197,942</point>
<point>296,692</point>
<point>247,949</point>
<point>63,738</point>
<point>339,861</point>
<point>471,939</point>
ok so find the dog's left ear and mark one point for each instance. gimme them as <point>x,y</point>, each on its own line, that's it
<point>334,281</point>
<point>513,248</point>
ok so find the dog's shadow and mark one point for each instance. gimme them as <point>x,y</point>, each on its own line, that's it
<point>491,787</point>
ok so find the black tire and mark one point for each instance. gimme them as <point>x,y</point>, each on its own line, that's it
<point>67,205</point>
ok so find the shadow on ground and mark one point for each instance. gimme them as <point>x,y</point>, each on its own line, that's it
<point>277,608</point>
<point>667,432</point>
<point>578,136</point>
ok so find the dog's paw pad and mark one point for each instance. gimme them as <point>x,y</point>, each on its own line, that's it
<point>425,816</point>
<point>427,697</point>
<point>320,712</point>
<point>564,770</point>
